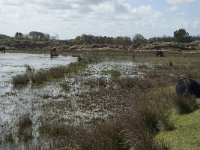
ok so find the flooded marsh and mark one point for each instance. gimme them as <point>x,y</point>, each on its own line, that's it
<point>68,100</point>
<point>91,97</point>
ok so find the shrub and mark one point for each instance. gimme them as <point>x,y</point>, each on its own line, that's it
<point>147,117</point>
<point>186,104</point>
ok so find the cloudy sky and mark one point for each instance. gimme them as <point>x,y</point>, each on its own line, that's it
<point>69,18</point>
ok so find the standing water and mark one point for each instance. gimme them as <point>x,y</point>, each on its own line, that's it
<point>12,64</point>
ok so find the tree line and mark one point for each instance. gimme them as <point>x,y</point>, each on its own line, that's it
<point>120,40</point>
<point>35,35</point>
<point>180,35</point>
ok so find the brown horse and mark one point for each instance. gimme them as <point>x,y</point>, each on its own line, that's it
<point>53,52</point>
<point>2,49</point>
<point>186,87</point>
<point>159,53</point>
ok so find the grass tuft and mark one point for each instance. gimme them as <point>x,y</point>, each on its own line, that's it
<point>21,79</point>
<point>25,128</point>
<point>186,104</point>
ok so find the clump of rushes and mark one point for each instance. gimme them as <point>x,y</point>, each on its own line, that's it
<point>42,75</point>
<point>21,79</point>
<point>25,128</point>
<point>8,138</point>
<point>57,72</point>
<point>115,74</point>
<point>136,83</point>
<point>55,129</point>
<point>65,86</point>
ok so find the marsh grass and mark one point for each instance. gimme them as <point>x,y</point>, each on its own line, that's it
<point>54,73</point>
<point>40,76</point>
<point>55,129</point>
<point>115,74</point>
<point>137,83</point>
<point>66,86</point>
<point>25,128</point>
<point>21,79</point>
<point>8,139</point>
<point>99,82</point>
<point>186,104</point>
<point>140,111</point>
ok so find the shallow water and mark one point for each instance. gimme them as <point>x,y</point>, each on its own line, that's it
<point>12,64</point>
<point>13,101</point>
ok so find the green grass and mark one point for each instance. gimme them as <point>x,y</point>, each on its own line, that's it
<point>186,135</point>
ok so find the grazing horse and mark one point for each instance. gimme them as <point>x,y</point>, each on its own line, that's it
<point>2,49</point>
<point>186,87</point>
<point>53,52</point>
<point>159,53</point>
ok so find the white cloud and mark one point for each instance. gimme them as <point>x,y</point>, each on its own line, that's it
<point>70,18</point>
<point>196,24</point>
<point>179,2</point>
<point>174,8</point>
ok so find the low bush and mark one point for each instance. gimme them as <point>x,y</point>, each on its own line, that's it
<point>147,117</point>
<point>186,104</point>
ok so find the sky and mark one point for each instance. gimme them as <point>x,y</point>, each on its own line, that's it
<point>70,18</point>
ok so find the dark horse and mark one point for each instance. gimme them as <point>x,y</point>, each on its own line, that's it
<point>2,49</point>
<point>159,53</point>
<point>53,52</point>
<point>186,87</point>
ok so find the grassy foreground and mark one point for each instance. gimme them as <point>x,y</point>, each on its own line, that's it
<point>186,135</point>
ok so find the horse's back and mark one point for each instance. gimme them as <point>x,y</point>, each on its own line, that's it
<point>186,86</point>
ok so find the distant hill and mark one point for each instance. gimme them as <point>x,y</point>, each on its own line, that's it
<point>2,36</point>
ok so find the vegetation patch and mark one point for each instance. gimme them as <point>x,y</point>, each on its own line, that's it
<point>186,104</point>
<point>43,75</point>
<point>21,79</point>
<point>25,128</point>
<point>186,134</point>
